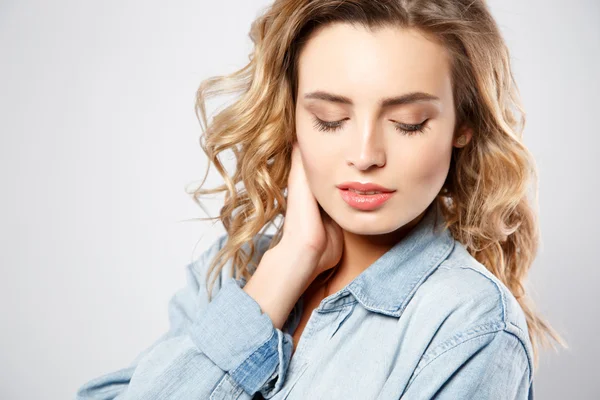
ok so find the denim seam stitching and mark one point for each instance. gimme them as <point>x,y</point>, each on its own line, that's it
<point>446,350</point>
<point>498,289</point>
<point>529,359</point>
<point>461,337</point>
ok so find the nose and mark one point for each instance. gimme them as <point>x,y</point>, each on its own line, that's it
<point>367,148</point>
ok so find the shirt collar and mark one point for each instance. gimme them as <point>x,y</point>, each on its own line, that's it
<point>388,284</point>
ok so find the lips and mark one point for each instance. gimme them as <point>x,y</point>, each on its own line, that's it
<point>364,187</point>
<point>364,192</point>
<point>364,202</point>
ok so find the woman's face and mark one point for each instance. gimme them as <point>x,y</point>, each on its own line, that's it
<point>345,76</point>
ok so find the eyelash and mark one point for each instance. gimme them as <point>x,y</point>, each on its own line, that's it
<point>331,126</point>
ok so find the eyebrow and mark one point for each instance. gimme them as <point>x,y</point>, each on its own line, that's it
<point>408,98</point>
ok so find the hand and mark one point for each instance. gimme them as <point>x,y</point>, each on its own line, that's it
<point>307,227</point>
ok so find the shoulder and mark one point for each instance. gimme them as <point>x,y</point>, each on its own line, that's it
<point>472,302</point>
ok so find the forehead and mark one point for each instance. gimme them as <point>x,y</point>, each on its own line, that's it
<point>361,63</point>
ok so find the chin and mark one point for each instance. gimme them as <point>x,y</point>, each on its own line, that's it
<point>371,224</point>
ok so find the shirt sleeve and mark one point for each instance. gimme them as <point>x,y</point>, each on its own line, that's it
<point>223,349</point>
<point>492,365</point>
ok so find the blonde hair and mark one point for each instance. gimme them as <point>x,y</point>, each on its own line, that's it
<point>484,199</point>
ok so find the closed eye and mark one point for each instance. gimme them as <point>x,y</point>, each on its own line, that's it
<point>405,129</point>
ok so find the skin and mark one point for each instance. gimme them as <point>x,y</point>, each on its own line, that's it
<point>366,67</point>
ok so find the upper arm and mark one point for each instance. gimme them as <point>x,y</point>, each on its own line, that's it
<point>489,365</point>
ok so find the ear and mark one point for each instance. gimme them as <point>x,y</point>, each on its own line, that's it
<point>465,131</point>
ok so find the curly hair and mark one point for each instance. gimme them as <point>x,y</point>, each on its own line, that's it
<point>485,196</point>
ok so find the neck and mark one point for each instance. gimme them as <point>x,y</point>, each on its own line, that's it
<point>361,251</point>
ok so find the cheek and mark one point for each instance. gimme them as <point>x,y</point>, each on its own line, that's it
<point>428,165</point>
<point>315,159</point>
<point>315,164</point>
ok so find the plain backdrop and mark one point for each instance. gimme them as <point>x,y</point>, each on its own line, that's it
<point>99,140</point>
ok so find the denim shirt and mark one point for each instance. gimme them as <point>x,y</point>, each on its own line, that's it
<point>425,320</point>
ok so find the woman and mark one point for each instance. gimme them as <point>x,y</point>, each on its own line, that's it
<point>395,127</point>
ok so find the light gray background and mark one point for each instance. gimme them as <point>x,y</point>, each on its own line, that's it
<point>99,139</point>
